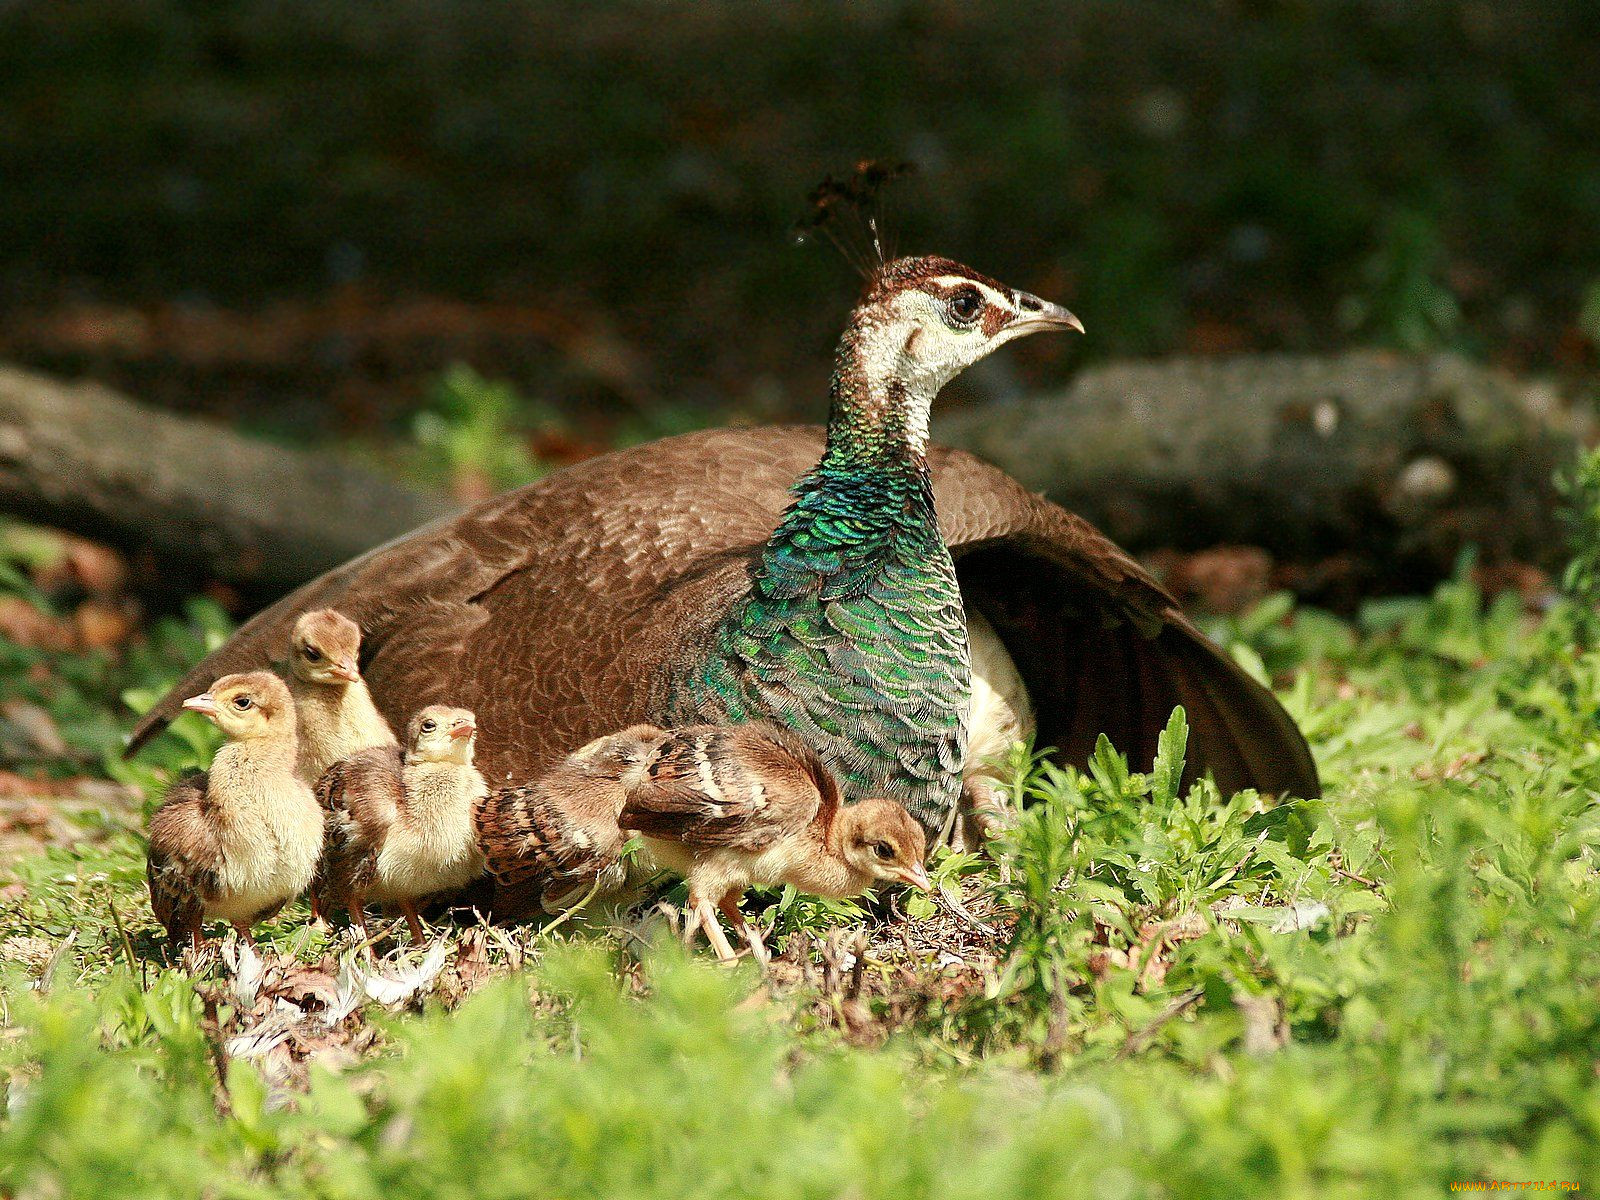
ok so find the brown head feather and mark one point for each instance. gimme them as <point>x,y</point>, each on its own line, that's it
<point>264,690</point>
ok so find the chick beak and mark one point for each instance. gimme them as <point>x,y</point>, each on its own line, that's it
<point>464,730</point>
<point>346,670</point>
<point>204,704</point>
<point>1038,316</point>
<point>916,876</point>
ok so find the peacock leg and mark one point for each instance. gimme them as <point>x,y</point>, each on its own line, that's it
<point>752,936</point>
<point>418,936</point>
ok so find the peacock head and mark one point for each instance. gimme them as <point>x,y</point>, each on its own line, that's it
<point>325,648</point>
<point>920,322</point>
<point>441,734</point>
<point>924,320</point>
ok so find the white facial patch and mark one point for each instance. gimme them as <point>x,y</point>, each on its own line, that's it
<point>905,348</point>
<point>941,350</point>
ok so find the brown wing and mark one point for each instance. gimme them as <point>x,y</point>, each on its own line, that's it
<point>559,829</point>
<point>741,786</point>
<point>554,611</point>
<point>361,796</point>
<point>551,839</point>
<point>184,858</point>
<point>1102,647</point>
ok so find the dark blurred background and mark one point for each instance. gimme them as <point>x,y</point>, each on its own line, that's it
<point>299,213</point>
<point>467,242</point>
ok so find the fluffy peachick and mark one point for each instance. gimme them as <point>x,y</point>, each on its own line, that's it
<point>728,807</point>
<point>557,838</point>
<point>400,828</point>
<point>336,712</point>
<point>237,842</point>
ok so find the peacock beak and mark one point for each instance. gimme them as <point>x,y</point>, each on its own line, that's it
<point>204,704</point>
<point>1037,316</point>
<point>916,876</point>
<point>346,670</point>
<point>463,730</point>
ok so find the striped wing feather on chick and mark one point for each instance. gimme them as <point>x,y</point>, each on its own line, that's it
<point>362,795</point>
<point>558,835</point>
<point>185,857</point>
<point>739,786</point>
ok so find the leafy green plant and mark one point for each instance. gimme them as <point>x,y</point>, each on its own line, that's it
<point>472,435</point>
<point>1402,299</point>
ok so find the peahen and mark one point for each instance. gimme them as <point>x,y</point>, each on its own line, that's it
<point>692,579</point>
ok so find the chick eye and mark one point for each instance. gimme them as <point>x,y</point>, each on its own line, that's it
<point>429,726</point>
<point>964,305</point>
<point>242,702</point>
<point>312,653</point>
<point>882,849</point>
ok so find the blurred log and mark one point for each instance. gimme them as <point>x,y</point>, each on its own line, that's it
<point>1389,462</point>
<point>81,457</point>
<point>1394,462</point>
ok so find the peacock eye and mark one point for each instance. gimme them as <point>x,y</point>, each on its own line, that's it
<point>242,703</point>
<point>429,726</point>
<point>312,653</point>
<point>964,305</point>
<point>883,849</point>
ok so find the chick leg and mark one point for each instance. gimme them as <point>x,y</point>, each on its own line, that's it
<point>703,915</point>
<point>692,917</point>
<point>418,936</point>
<point>752,936</point>
<point>356,906</point>
<point>244,933</point>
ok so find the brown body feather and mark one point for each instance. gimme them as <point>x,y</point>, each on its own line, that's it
<point>555,611</point>
<point>362,796</point>
<point>548,842</point>
<point>740,786</point>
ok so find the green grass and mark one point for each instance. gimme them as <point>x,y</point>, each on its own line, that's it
<point>1187,994</point>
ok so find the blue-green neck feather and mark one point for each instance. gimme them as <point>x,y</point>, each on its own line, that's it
<point>852,632</point>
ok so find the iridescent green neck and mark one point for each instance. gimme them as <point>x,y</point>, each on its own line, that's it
<point>868,505</point>
<point>876,418</point>
<point>852,633</point>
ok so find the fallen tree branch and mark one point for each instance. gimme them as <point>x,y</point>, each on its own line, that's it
<point>83,458</point>
<point>1399,460</point>
<point>1396,461</point>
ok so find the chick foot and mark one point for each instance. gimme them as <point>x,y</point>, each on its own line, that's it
<point>751,935</point>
